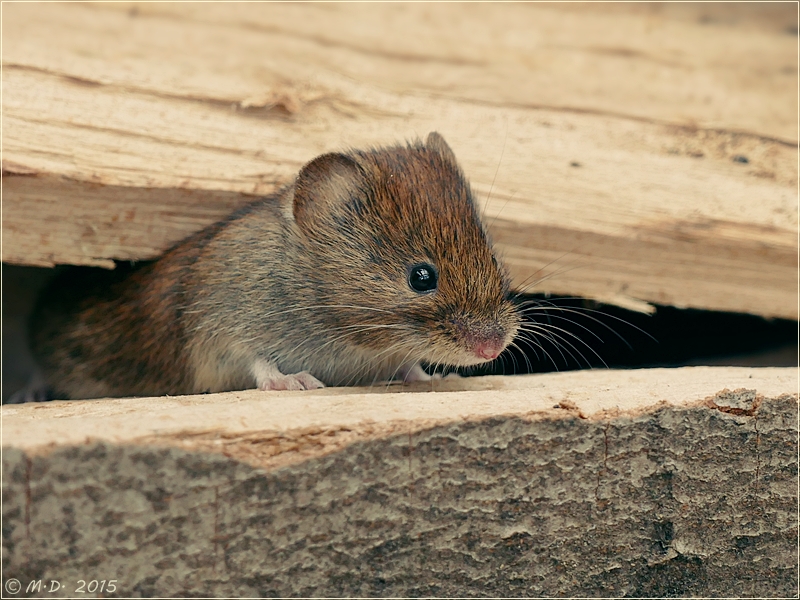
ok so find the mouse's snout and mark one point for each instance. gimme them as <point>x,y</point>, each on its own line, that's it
<point>481,341</point>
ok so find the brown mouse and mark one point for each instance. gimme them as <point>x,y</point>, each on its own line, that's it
<point>368,264</point>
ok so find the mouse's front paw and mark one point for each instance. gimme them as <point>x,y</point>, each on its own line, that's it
<point>298,381</point>
<point>411,372</point>
<point>269,377</point>
<point>37,390</point>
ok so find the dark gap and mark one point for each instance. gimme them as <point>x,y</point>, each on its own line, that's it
<point>594,335</point>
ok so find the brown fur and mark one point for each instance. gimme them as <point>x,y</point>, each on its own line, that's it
<point>312,279</point>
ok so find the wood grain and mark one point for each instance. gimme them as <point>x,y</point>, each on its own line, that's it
<point>608,139</point>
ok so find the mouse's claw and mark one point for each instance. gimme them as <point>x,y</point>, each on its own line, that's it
<point>36,390</point>
<point>268,377</point>
<point>299,381</point>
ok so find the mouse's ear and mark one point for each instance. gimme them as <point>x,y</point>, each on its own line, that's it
<point>324,184</point>
<point>436,142</point>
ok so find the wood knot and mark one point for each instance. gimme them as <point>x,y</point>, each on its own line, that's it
<point>741,402</point>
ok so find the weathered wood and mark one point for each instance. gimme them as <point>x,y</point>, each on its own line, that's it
<point>201,104</point>
<point>636,483</point>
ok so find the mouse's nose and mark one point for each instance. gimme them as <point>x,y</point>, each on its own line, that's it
<point>489,349</point>
<point>481,339</point>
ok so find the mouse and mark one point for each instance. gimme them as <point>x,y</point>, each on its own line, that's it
<point>369,265</point>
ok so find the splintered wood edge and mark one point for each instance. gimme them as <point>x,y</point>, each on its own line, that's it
<point>275,429</point>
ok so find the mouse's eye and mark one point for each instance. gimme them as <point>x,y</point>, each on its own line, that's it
<point>422,278</point>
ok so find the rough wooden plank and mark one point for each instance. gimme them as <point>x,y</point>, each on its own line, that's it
<point>637,483</point>
<point>657,211</point>
<point>137,223</point>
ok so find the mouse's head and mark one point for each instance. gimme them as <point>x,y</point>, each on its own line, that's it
<point>397,254</point>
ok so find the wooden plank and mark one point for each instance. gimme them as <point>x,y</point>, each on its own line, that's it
<point>137,223</point>
<point>658,209</point>
<point>697,73</point>
<point>640,483</point>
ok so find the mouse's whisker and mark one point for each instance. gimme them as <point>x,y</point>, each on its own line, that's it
<point>373,361</point>
<point>521,338</point>
<point>356,329</point>
<point>309,352</point>
<point>278,313</point>
<point>573,322</point>
<point>324,307</point>
<point>562,271</point>
<point>549,337</point>
<point>502,208</point>
<point>401,364</point>
<point>533,343</point>
<point>553,329</point>
<point>528,363</point>
<point>437,367</point>
<point>514,359</point>
<point>583,311</point>
<point>496,171</point>
<point>526,283</point>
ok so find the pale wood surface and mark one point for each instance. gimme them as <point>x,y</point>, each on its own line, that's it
<point>340,416</point>
<point>651,483</point>
<point>653,102</point>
